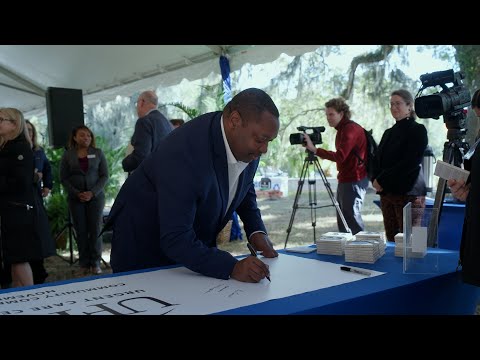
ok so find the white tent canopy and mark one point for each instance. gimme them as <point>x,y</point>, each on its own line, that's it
<point>104,71</point>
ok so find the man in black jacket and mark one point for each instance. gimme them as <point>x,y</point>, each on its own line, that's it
<point>150,128</point>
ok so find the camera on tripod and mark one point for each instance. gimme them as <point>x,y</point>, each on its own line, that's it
<point>315,135</point>
<point>450,104</point>
<point>450,101</point>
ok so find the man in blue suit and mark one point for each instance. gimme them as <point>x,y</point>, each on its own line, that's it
<point>150,128</point>
<point>172,207</point>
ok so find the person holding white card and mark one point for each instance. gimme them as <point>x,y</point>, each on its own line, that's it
<point>84,173</point>
<point>469,191</point>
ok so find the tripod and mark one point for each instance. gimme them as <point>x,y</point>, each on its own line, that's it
<point>71,233</point>
<point>312,160</point>
<point>453,151</point>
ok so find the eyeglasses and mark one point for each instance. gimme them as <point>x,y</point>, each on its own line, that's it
<point>397,104</point>
<point>3,119</point>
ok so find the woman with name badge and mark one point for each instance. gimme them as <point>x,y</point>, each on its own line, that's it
<point>84,173</point>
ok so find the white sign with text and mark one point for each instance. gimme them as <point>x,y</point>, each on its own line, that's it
<point>175,291</point>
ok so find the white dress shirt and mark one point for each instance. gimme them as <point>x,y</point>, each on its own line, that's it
<point>235,168</point>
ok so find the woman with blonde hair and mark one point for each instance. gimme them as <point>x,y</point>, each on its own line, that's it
<point>19,244</point>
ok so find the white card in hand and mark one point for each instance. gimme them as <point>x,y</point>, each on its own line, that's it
<point>448,171</point>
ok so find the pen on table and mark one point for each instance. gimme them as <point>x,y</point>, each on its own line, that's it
<point>356,271</point>
<point>254,253</point>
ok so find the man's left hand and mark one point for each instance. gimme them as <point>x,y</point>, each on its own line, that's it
<point>261,242</point>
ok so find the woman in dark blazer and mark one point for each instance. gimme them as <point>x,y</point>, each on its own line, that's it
<point>84,173</point>
<point>23,221</point>
<point>398,176</point>
<point>43,178</point>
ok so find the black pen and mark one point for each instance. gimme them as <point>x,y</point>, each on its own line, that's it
<point>356,271</point>
<point>254,253</point>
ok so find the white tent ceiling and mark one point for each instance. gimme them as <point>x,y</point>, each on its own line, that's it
<point>104,71</point>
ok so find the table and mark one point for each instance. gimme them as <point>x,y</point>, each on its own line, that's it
<point>450,225</point>
<point>391,293</point>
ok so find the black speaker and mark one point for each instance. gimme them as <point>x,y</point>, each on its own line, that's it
<point>64,112</point>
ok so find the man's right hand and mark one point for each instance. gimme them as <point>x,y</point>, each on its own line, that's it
<point>250,269</point>
<point>309,144</point>
<point>459,189</point>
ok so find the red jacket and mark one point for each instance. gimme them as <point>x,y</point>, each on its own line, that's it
<point>350,138</point>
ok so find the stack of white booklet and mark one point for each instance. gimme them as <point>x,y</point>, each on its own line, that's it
<point>373,235</point>
<point>346,236</point>
<point>399,244</point>
<point>362,251</point>
<point>448,171</point>
<point>330,245</point>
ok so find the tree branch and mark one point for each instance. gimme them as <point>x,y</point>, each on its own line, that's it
<point>381,54</point>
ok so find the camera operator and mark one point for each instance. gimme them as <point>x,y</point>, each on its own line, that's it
<point>470,191</point>
<point>398,177</point>
<point>350,144</point>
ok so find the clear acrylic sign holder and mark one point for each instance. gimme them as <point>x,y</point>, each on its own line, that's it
<point>417,257</point>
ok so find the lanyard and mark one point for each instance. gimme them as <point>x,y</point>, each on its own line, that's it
<point>470,152</point>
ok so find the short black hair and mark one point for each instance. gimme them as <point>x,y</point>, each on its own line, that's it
<point>254,101</point>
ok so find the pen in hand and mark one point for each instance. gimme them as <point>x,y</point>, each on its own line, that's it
<point>254,253</point>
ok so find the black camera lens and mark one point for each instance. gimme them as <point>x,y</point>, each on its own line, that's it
<point>450,102</point>
<point>315,135</point>
<point>296,139</point>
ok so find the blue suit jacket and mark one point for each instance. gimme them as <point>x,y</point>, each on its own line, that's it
<point>149,131</point>
<point>172,207</point>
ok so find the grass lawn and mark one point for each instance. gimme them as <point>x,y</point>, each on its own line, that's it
<point>276,215</point>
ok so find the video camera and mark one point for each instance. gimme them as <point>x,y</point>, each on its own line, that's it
<point>450,101</point>
<point>315,135</point>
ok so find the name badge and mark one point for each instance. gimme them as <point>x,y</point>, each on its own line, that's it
<point>91,156</point>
